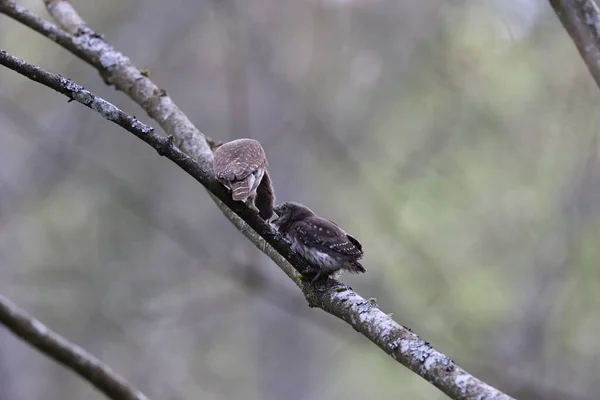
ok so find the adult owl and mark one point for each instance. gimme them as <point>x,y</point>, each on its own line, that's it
<point>241,165</point>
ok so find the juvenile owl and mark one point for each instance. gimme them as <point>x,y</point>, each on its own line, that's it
<point>241,165</point>
<point>320,241</point>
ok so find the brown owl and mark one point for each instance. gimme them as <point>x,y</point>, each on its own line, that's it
<point>320,241</point>
<point>241,165</point>
<point>265,197</point>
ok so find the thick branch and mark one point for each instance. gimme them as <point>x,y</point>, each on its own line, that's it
<point>581,19</point>
<point>333,297</point>
<point>66,353</point>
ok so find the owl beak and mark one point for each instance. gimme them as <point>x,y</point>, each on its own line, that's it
<point>277,211</point>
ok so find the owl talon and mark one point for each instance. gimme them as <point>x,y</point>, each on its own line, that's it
<point>253,208</point>
<point>318,276</point>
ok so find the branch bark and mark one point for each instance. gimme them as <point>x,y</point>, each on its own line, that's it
<point>66,353</point>
<point>581,19</point>
<point>333,297</point>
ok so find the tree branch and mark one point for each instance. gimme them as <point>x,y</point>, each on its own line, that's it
<point>66,353</point>
<point>333,297</point>
<point>117,70</point>
<point>75,92</point>
<point>581,19</point>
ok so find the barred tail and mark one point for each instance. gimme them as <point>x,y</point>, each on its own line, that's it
<point>240,190</point>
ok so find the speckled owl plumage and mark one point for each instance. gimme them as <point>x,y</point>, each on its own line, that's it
<point>320,241</point>
<point>241,165</point>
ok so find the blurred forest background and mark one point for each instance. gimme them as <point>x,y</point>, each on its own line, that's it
<point>456,140</point>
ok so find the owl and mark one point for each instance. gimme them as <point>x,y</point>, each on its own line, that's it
<point>265,197</point>
<point>241,166</point>
<point>320,241</point>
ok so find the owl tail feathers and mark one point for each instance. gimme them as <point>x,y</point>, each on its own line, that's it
<point>240,190</point>
<point>355,267</point>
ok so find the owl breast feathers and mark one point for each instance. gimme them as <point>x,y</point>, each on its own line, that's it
<point>320,241</point>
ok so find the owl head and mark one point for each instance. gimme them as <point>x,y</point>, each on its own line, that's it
<point>289,212</point>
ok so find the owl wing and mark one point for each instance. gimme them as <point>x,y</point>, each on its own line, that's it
<point>265,197</point>
<point>231,170</point>
<point>325,235</point>
<point>350,237</point>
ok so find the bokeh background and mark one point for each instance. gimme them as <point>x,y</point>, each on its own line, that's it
<point>456,140</point>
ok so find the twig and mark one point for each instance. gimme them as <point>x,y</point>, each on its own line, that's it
<point>581,19</point>
<point>333,297</point>
<point>66,353</point>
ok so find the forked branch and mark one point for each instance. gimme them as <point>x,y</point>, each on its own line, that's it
<point>195,157</point>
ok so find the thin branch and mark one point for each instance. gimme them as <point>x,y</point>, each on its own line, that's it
<point>333,297</point>
<point>66,353</point>
<point>75,92</point>
<point>581,19</point>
